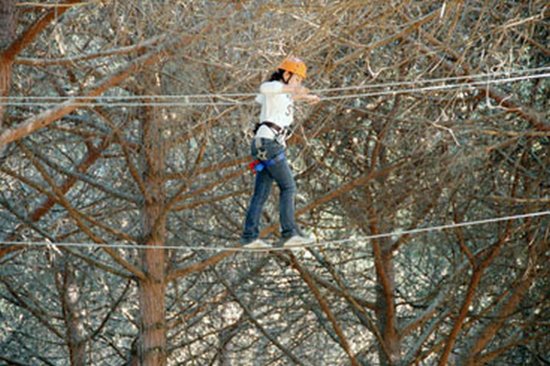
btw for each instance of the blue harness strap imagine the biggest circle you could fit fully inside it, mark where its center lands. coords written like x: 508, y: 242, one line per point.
x: 259, y: 165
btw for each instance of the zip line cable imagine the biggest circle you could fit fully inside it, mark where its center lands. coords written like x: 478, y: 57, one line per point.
x: 101, y: 100
x: 305, y: 246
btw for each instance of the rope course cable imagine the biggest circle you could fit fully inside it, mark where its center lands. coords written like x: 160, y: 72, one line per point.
x: 439, y: 87
x: 437, y: 80
x: 394, y: 233
x: 363, y: 86
x: 186, y: 100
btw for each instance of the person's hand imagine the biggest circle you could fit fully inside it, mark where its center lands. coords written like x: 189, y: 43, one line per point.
x: 312, y: 99
x: 301, y: 90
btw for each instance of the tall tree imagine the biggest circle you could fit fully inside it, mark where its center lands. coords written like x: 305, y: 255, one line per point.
x: 8, y: 21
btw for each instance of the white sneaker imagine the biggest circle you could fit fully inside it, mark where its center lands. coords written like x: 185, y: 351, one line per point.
x: 257, y: 244
x: 298, y: 241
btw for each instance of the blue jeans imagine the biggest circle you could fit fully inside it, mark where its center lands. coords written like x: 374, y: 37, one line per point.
x: 279, y: 172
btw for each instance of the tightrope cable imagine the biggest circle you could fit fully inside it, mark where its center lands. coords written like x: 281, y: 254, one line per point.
x: 395, y: 233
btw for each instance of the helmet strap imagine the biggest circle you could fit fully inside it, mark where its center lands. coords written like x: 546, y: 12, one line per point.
x: 287, y: 80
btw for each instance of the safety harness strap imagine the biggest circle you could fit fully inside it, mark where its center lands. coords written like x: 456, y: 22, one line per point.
x: 282, y: 133
x: 258, y: 165
x: 262, y: 161
x: 262, y: 153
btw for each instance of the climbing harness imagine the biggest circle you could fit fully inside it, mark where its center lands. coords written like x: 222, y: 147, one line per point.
x: 281, y: 133
x: 263, y: 160
x: 258, y: 165
x: 261, y: 152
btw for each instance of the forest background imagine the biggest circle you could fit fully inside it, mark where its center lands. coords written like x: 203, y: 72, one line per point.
x: 123, y: 181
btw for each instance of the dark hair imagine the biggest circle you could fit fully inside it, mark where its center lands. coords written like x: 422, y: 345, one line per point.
x: 278, y: 76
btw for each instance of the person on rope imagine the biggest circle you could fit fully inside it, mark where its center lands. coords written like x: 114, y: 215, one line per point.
x: 277, y: 97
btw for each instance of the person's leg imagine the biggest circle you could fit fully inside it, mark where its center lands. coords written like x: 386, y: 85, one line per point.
x: 262, y: 188
x: 292, y: 236
x: 282, y: 174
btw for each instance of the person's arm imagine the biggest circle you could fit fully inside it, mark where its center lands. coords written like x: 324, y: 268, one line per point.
x: 272, y: 87
x: 310, y: 98
x: 299, y: 93
x: 275, y: 87
x: 295, y: 90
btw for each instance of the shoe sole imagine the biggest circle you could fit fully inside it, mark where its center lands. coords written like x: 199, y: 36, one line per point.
x: 260, y: 245
x: 298, y: 245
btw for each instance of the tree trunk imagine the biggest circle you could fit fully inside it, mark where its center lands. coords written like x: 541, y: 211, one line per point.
x: 8, y: 19
x: 76, y: 338
x: 152, y: 346
x: 390, y: 352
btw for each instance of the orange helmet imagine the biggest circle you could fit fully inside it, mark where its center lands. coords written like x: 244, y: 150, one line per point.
x: 295, y: 66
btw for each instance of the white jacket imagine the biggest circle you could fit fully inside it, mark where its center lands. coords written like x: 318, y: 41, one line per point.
x: 277, y: 107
